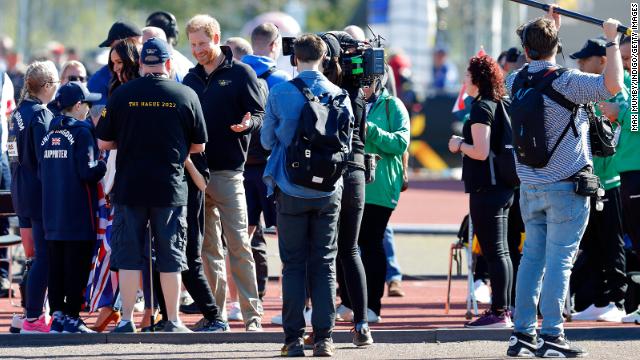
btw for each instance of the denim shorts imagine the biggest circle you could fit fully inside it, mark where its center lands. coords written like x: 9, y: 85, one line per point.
x: 130, y: 231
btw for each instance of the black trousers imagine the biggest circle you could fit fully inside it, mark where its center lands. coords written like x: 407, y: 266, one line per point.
x: 69, y: 267
x: 630, y: 193
x: 603, y: 245
x: 374, y: 222
x: 259, y: 251
x: 489, y: 213
x: 350, y: 271
x: 193, y: 278
x: 515, y: 227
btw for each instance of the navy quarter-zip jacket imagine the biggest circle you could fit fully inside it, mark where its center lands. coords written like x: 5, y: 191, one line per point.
x: 28, y: 125
x: 69, y: 194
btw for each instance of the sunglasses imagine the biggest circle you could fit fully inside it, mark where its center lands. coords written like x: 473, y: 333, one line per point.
x: 77, y: 78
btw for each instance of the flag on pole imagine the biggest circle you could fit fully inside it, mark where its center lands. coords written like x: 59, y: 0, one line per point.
x: 103, y: 284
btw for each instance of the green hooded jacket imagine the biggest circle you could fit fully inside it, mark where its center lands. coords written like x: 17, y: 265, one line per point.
x: 389, y: 138
x: 627, y: 157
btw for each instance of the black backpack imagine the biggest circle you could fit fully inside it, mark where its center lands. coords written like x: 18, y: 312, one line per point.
x: 504, y: 154
x: 319, y: 150
x: 527, y: 115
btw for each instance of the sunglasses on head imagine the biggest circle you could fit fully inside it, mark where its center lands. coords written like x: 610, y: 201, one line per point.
x: 77, y: 78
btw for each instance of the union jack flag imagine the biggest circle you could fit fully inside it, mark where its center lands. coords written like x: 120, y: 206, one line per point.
x: 102, y: 286
x: 55, y: 141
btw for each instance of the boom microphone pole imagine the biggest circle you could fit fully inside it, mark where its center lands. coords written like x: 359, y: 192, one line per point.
x: 574, y: 15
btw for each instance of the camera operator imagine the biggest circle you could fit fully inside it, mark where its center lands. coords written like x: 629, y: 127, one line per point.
x: 555, y: 216
x: 350, y: 271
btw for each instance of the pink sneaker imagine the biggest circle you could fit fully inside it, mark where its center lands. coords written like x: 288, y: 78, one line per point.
x: 36, y: 327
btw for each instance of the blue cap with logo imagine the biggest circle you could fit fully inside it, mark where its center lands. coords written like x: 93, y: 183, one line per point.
x: 155, y: 51
x: 73, y: 92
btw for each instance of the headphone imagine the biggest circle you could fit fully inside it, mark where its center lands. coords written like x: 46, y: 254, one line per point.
x: 171, y: 30
x: 326, y: 58
x: 532, y: 52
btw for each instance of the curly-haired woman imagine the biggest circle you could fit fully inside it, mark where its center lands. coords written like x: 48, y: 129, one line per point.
x: 489, y: 199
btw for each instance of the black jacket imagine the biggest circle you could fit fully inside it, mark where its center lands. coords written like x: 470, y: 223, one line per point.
x: 226, y: 95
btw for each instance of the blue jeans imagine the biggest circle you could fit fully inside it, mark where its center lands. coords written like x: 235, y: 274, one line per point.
x: 307, y: 240
x: 393, y: 268
x: 555, y: 218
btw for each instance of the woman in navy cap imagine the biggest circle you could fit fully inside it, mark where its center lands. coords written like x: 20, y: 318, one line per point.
x: 28, y: 125
x: 70, y: 202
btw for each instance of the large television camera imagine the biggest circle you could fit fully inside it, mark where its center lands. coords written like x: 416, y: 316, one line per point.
x: 362, y: 61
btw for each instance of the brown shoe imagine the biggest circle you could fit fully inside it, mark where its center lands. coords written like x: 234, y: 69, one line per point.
x: 395, y: 289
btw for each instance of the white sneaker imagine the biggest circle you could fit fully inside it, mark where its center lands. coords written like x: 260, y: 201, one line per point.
x: 277, y: 320
x: 235, y: 314
x: 482, y: 292
x: 592, y: 313
x: 185, y: 298
x: 343, y: 313
x: 613, y: 314
x: 307, y: 316
x: 372, y: 317
x: 633, y: 317
x: 16, y: 323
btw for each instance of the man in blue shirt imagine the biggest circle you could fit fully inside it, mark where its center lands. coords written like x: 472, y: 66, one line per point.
x: 307, y: 218
x: 555, y: 216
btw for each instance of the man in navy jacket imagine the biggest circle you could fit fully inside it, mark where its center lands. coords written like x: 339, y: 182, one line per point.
x: 233, y: 107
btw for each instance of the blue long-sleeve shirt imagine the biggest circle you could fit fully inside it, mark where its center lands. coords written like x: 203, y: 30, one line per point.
x: 279, y: 126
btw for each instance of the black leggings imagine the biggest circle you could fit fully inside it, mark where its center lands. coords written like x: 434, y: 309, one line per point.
x: 516, y: 228
x: 374, y: 222
x: 69, y: 267
x: 489, y: 213
x: 193, y: 278
x: 603, y: 245
x: 630, y: 193
x: 350, y: 271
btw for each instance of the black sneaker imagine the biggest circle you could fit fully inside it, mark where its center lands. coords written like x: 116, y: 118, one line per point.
x: 157, y: 327
x: 522, y: 345
x: 190, y: 309
x: 293, y: 349
x: 213, y: 326
x: 76, y: 326
x: 324, y: 348
x: 557, y: 347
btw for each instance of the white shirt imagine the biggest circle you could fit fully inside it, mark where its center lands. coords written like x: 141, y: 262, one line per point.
x: 7, y: 105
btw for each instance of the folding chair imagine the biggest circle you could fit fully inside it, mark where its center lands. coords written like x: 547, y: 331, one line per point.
x: 8, y: 241
x: 455, y: 254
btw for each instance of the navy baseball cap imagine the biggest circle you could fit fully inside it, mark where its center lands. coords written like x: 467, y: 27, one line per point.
x: 154, y: 51
x: 593, y: 47
x: 120, y: 30
x: 72, y: 92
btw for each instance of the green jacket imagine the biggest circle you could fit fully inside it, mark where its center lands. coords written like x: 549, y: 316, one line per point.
x: 627, y: 157
x: 389, y: 138
x: 605, y: 167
